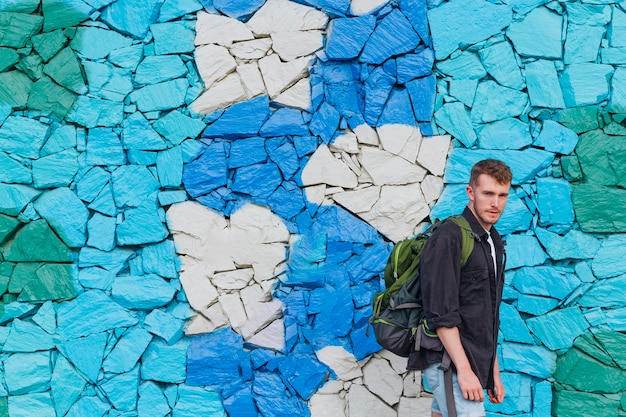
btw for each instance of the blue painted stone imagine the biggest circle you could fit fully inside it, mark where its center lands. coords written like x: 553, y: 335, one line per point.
x: 345, y: 97
x: 286, y: 157
x: 536, y: 305
x: 303, y: 371
x: 89, y: 406
x: 138, y: 134
x: 542, y: 23
x: 398, y: 107
x: 141, y: 226
x: 132, y: 185
x: 245, y: 152
x: 610, y: 260
x: 455, y: 119
x: 465, y: 22
x: 23, y: 136
x: 305, y: 145
x: 101, y: 232
x: 417, y: 65
x: 394, y: 35
x: 531, y: 360
x: 543, y: 85
x: 27, y: 373
x: 584, y: 84
x: 131, y: 18
x: 165, y: 363
x: 509, y: 133
x: 347, y: 36
x: 241, y: 403
x: 91, y: 312
x: 162, y: 96
x: 194, y: 401
x: 330, y: 7
x: 258, y: 180
x: 558, y: 329
x: 500, y: 62
x: 240, y: 120
x: 66, y: 385
x: 70, y: 224
x: 524, y: 164
x: 554, y: 202
x: 173, y: 38
x: 494, y: 102
x: 340, y: 225
x: 104, y: 148
x: 286, y: 203
x: 207, y: 172
x: 583, y: 42
x: 215, y: 358
x: 86, y: 354
x: 144, y: 292
x: 523, y: 250
x: 545, y: 281
x: 555, y: 137
x: 93, y: 112
x: 122, y: 390
x: 176, y: 126
x: 29, y: 405
x: 285, y: 121
x: 164, y: 325
x: 127, y: 351
x: 378, y: 86
x: 415, y: 11
x: 177, y: 8
x: 152, y: 401
x: 25, y: 336
x: 238, y: 8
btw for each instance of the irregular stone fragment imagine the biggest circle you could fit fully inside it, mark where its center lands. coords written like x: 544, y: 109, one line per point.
x: 543, y: 85
x: 27, y: 373
x: 494, y: 102
x: 70, y: 224
x: 554, y: 202
x: 394, y: 35
x: 14, y: 133
x: 558, y: 329
x: 93, y: 112
x: 286, y: 16
x: 36, y: 242
x: 165, y: 363
x: 323, y: 167
x: 362, y: 402
x: 528, y: 359
x: 95, y: 43
x: 585, y: 84
x: 568, y: 402
x: 541, y: 23
x: 15, y: 87
x: 132, y: 18
x: 172, y: 38
x: 30, y: 404
x: 573, y: 245
x: 19, y: 27
x: 455, y: 119
x: 224, y: 93
x: 500, y: 62
x: 347, y: 36
x: 57, y: 170
x: 146, y: 292
x: 545, y: 281
x: 25, y: 336
x: 45, y: 95
x: 585, y: 373
x: 610, y: 259
x: 86, y: 354
x: 510, y: 133
x: 66, y: 385
x: 278, y: 76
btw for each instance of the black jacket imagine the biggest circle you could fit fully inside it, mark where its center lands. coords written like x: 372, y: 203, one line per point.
x: 468, y: 298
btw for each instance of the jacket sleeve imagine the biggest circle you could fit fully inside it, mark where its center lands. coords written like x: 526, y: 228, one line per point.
x: 440, y: 276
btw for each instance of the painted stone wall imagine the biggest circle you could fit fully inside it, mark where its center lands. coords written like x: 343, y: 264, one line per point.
x: 197, y: 198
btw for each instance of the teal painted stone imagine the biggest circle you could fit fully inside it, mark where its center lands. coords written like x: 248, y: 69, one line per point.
x: 55, y: 170
x: 573, y: 245
x: 86, y: 354
x: 89, y: 406
x: 23, y: 136
x: 161, y: 259
x: 547, y: 281
x: 132, y: 18
x: 512, y: 326
x: 610, y: 260
x: 96, y: 43
x: 527, y: 359
x: 93, y: 112
x: 7, y: 226
x: 15, y: 87
x: 111, y: 260
x: 596, y: 152
x: 30, y: 405
x: 97, y: 278
x: 12, y: 171
x: 101, y: 232
x: 454, y: 118
x: 8, y: 58
x: 19, y: 6
x: 91, y: 184
x: 585, y: 84
x: 104, y: 148
x: 543, y: 24
x: 70, y: 223
x: 554, y: 203
x: 127, y: 57
x: 145, y: 292
x: 132, y: 185
x: 523, y: 250
x: 617, y: 102
x: 465, y: 22
x: 605, y: 293
x: 121, y: 390
x: 510, y: 133
x: 462, y: 65
x: 156, y: 69
x: 193, y: 401
x: 62, y: 138
x: 170, y: 167
x: 22, y: 273
x: 31, y: 65
x: 47, y: 96
x: 584, y: 373
x: 162, y: 96
x: 615, y: 319
x: 60, y: 14
x: 127, y: 351
x: 138, y: 134
x: 66, y: 385
x: 92, y: 312
x: 543, y: 85
x: 65, y: 69
x: 558, y: 329
x: 152, y: 401
x: 52, y: 282
x: 28, y: 337
x: 463, y: 90
x: 173, y: 38
x: 165, y: 363
x: 494, y: 102
x: 14, y: 310
x: 536, y: 305
x: 18, y: 28
x: 500, y: 62
x: 46, y: 317
x: 37, y: 242
x: 49, y: 43
x: 176, y: 126
x: 583, y: 43
x: 28, y: 373
x: 596, y: 210
x: 164, y: 325
x: 612, y: 343
x: 555, y: 137
x: 570, y: 403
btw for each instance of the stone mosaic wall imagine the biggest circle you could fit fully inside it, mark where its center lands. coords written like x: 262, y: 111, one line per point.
x: 197, y: 198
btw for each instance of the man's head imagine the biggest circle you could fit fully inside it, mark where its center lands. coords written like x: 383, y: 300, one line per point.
x: 488, y: 190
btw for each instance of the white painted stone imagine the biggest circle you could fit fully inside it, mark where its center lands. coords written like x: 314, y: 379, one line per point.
x: 214, y: 62
x: 259, y: 310
x: 366, y: 135
x: 278, y: 75
x: 260, y: 224
x: 216, y: 316
x: 198, y: 324
x: 221, y: 30
x: 324, y: 168
x: 431, y: 188
x: 333, y: 386
x: 401, y: 140
x: 249, y: 50
x: 358, y: 201
x: 412, y: 384
x: 315, y: 193
x: 231, y: 304
x: 434, y: 153
x: 398, y: 363
x: 271, y: 337
x: 347, y: 142
x: 286, y: 16
x: 292, y: 45
x: 221, y: 95
x: 414, y: 407
x: 351, y: 163
x: 327, y: 405
x: 298, y: 96
x: 233, y: 280
x: 388, y: 169
x: 342, y: 362
x: 361, y: 403
x: 362, y: 7
x: 382, y: 380
x: 199, y: 290
x: 251, y: 79
x: 194, y: 219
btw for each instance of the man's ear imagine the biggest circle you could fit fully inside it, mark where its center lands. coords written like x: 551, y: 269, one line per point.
x: 470, y: 192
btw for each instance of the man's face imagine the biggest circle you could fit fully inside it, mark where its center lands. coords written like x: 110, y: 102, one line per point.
x: 487, y: 199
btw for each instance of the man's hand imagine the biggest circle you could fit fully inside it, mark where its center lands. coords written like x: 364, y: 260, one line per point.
x: 470, y: 385
x: 496, y: 395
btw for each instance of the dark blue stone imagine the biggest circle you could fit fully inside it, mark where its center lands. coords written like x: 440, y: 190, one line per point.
x: 240, y: 120
x: 238, y: 9
x: 258, y: 180
x: 398, y: 109
x: 415, y: 11
x: 346, y: 37
x: 331, y: 7
x: 287, y: 203
x: 241, y: 403
x: 325, y: 122
x: 206, y: 173
x: 416, y: 65
x: 378, y: 86
x: 338, y: 252
x: 422, y: 92
x: 394, y: 35
x: 338, y: 224
x: 345, y: 97
x: 283, y: 122
x: 303, y: 372
x: 245, y: 152
x: 305, y: 145
x: 363, y: 341
x: 286, y: 157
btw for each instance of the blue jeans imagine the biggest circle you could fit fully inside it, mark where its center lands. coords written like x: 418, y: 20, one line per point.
x: 464, y: 408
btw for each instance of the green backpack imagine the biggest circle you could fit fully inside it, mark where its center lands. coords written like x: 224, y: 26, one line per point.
x: 398, y: 309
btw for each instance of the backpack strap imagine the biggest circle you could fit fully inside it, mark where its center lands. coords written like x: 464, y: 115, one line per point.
x: 467, y: 237
x: 446, y: 367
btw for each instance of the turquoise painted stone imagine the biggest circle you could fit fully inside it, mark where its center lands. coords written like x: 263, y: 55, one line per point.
x: 18, y: 28
x: 585, y: 84
x: 49, y: 43
x: 7, y: 226
x: 86, y: 353
x: 500, y: 62
x: 45, y: 95
x: 56, y: 170
x: 540, y: 23
x: 583, y: 43
x: 543, y: 85
x: 70, y: 223
x: 60, y: 14
x: 66, y: 385
x: 15, y: 87
x: 65, y: 69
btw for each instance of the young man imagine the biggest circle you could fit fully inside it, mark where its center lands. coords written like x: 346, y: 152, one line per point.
x: 461, y: 303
